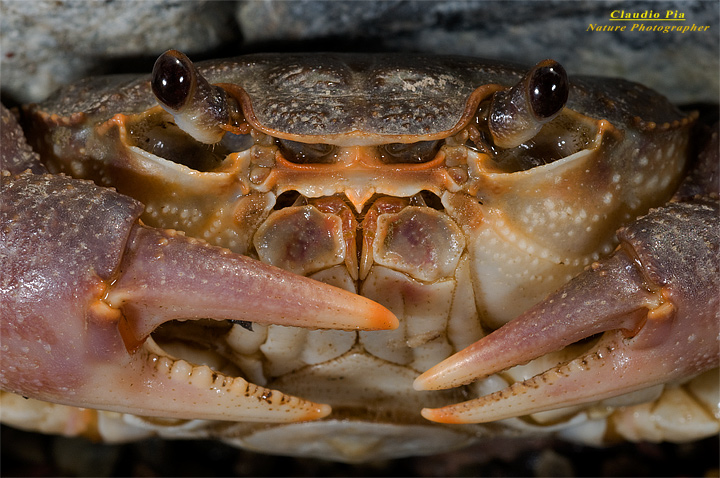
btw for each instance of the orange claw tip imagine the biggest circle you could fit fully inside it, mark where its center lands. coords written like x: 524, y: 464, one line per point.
x: 480, y: 410
x: 428, y: 380
x: 334, y: 308
x: 320, y: 411
x: 377, y: 317
x: 442, y: 415
x: 451, y: 372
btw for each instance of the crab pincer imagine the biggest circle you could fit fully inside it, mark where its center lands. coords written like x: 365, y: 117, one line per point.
x: 655, y: 301
x: 79, y: 304
x: 83, y: 284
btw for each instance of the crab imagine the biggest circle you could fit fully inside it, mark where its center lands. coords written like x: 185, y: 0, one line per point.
x: 430, y: 251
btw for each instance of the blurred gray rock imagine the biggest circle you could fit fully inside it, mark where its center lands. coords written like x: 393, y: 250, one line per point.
x: 48, y: 43
x: 683, y: 66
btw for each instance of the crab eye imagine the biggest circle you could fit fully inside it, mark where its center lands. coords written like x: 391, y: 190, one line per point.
x: 409, y: 153
x: 306, y: 153
x: 518, y: 114
x: 199, y: 108
x: 172, y: 80
x: 548, y: 90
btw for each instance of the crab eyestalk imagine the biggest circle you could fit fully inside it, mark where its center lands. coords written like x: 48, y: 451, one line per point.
x: 199, y: 108
x: 517, y: 114
x: 655, y: 300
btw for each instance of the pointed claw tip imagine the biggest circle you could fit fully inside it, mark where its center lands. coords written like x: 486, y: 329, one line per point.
x: 440, y: 415
x: 373, y: 316
x: 343, y: 310
x: 440, y: 377
x: 320, y: 411
x: 424, y: 382
x: 383, y: 319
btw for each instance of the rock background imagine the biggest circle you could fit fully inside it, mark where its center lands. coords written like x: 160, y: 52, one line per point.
x: 45, y: 44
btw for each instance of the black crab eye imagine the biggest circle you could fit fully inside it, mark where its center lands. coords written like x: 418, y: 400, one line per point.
x: 409, y: 153
x: 518, y: 113
x: 172, y: 79
x: 306, y: 153
x: 548, y: 90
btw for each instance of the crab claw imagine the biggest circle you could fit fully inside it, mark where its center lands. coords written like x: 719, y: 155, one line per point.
x: 166, y: 276
x: 83, y: 284
x: 656, y: 300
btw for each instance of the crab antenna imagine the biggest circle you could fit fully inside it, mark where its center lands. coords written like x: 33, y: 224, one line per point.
x: 517, y: 114
x: 199, y: 108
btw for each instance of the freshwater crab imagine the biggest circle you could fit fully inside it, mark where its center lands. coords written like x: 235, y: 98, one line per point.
x: 457, y: 193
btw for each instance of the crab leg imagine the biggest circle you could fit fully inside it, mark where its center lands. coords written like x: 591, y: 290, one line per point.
x: 657, y: 304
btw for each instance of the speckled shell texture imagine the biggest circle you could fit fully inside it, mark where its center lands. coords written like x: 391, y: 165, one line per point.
x: 334, y: 94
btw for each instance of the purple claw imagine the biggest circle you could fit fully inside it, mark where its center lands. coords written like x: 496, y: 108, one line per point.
x: 656, y: 299
x: 82, y: 286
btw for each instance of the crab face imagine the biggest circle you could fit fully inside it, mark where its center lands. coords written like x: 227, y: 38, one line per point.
x: 390, y: 162
x: 457, y: 193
